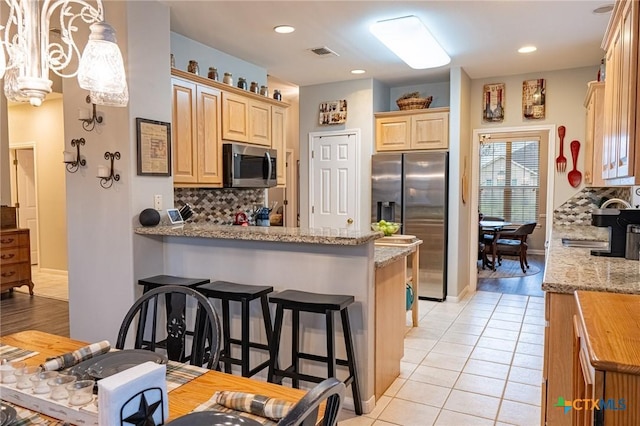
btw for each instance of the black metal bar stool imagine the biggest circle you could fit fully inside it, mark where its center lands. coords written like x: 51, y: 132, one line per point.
x: 327, y: 304
x: 159, y: 281
x: 243, y: 293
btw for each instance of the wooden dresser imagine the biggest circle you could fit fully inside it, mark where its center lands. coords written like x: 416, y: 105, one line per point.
x: 15, y: 259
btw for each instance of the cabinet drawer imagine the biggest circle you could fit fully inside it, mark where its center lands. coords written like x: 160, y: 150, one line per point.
x: 14, y: 255
x: 15, y: 272
x: 14, y: 239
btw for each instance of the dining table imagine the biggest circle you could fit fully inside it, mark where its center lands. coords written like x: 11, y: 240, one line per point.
x: 491, y: 227
x: 183, y: 399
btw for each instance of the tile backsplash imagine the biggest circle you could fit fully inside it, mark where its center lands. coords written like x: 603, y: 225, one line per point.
x: 217, y: 206
x: 577, y: 210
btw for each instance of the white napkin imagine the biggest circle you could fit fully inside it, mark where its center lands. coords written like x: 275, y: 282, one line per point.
x: 120, y: 396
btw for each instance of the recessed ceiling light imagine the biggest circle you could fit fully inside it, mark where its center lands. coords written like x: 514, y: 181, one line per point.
x: 603, y: 9
x: 358, y: 71
x: 284, y: 29
x: 527, y: 49
x: 411, y: 41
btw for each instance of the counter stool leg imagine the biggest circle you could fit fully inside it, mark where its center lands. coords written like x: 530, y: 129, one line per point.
x: 331, y: 345
x: 266, y: 317
x: 245, y: 338
x: 351, y: 357
x: 275, y: 346
x: 295, y: 343
x: 226, y: 333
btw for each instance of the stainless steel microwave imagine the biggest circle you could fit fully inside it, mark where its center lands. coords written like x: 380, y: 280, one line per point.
x: 246, y: 166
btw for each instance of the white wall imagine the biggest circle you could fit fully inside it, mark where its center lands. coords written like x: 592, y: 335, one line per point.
x: 105, y: 258
x: 359, y: 96
x: 565, y: 94
x: 459, y: 164
x: 185, y: 49
x: 5, y: 181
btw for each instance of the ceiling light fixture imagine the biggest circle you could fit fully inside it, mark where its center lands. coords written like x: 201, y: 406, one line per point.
x: 358, y: 71
x: 527, y: 49
x: 26, y: 55
x: 284, y: 29
x: 603, y: 9
x: 408, y: 38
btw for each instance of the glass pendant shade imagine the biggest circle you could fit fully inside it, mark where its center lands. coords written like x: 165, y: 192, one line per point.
x: 110, y: 99
x: 101, y: 67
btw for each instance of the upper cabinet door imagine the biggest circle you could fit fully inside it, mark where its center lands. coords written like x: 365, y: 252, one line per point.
x: 235, y: 117
x: 430, y: 131
x: 393, y: 133
x: 259, y: 123
x: 184, y: 133
x: 209, y: 135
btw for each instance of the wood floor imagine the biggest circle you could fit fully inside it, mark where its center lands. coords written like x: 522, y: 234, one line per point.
x: 525, y: 286
x: 19, y: 311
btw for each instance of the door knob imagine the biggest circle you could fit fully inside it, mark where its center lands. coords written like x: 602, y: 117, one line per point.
x: 349, y: 221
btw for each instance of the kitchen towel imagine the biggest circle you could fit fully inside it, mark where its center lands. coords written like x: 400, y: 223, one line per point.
x: 137, y: 395
x: 260, y: 405
x: 72, y: 358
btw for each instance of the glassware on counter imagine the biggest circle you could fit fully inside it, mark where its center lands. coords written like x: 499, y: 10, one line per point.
x: 242, y: 83
x: 228, y: 79
x: 213, y: 73
x: 277, y: 95
x: 264, y: 91
x: 254, y: 87
x: 193, y: 67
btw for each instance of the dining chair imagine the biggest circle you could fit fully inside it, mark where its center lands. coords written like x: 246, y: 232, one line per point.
x: 305, y: 412
x: 189, y: 330
x: 514, y: 243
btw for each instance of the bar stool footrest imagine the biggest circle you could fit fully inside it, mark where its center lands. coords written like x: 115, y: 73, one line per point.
x: 320, y: 358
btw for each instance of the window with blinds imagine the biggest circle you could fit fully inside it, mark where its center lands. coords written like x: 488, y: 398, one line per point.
x: 510, y: 179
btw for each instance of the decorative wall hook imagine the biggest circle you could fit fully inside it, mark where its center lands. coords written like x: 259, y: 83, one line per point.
x: 73, y: 163
x: 89, y: 124
x: 107, y: 175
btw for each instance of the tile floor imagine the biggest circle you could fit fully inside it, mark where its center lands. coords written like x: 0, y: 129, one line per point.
x: 475, y: 362
x: 46, y: 284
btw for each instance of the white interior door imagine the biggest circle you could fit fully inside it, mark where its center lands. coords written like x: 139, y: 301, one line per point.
x: 27, y: 198
x: 333, y: 186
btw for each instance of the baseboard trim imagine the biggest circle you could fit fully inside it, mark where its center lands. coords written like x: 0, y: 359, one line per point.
x: 460, y: 295
x: 367, y: 406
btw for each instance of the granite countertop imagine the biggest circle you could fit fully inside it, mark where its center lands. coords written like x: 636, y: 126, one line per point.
x: 264, y: 233
x: 386, y: 254
x: 571, y: 268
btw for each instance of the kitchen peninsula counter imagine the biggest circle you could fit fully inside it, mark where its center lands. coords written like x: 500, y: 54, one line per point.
x: 319, y: 261
x: 264, y: 233
x: 569, y: 269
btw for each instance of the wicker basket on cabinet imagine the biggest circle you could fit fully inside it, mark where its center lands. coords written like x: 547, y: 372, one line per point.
x: 414, y: 103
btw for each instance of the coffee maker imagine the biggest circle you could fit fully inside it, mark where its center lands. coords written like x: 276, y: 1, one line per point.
x: 616, y: 220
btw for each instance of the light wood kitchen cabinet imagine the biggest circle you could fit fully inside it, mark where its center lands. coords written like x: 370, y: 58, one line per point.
x: 246, y: 120
x: 594, y: 134
x: 197, y: 158
x: 621, y: 94
x: 606, y: 359
x: 279, y: 142
x: 412, y: 130
x: 15, y: 259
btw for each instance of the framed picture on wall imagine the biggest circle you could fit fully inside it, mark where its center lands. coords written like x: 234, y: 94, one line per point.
x: 333, y: 112
x: 493, y: 103
x: 533, y: 99
x: 154, y: 147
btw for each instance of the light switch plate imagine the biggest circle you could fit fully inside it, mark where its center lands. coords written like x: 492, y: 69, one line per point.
x: 157, y: 202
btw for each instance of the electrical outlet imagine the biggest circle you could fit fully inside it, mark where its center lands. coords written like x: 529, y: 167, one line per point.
x: 157, y: 202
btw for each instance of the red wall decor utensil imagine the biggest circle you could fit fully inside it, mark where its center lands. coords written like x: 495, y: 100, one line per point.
x: 561, y: 161
x: 574, y: 176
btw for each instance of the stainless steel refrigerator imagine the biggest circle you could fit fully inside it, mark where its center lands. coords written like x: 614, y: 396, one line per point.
x: 411, y: 189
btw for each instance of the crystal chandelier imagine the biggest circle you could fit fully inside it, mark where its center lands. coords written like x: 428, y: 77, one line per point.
x: 27, y: 54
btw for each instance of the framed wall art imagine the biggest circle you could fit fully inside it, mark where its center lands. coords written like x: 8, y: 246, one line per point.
x: 333, y: 112
x: 154, y: 147
x: 533, y: 99
x: 493, y: 103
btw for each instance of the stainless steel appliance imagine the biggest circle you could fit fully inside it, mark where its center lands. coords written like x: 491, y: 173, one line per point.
x: 245, y: 166
x: 616, y: 220
x: 411, y: 188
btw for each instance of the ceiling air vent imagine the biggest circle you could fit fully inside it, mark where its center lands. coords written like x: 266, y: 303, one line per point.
x: 323, y: 51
